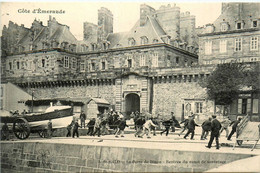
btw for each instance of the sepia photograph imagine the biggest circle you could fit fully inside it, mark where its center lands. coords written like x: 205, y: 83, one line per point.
x: 129, y: 86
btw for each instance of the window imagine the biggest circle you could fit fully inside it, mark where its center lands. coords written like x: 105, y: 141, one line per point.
x: 82, y: 66
x: 177, y: 60
x: 10, y: 65
x: 93, y: 66
x: 244, y: 106
x: 131, y: 42
x: 103, y: 65
x: 155, y: 41
x: 155, y: 60
x: 239, y: 25
x: 224, y: 27
x: 18, y: 65
x: 24, y: 64
x: 255, y: 106
x: 238, y: 44
x: 30, y: 65
x: 198, y: 107
x: 142, y: 60
x: 43, y: 62
x: 208, y: 47
x: 254, y: 24
x: 144, y: 40
x: 66, y: 62
x: 254, y: 43
x: 52, y: 62
x: 129, y: 63
x: 74, y: 63
x: 223, y: 46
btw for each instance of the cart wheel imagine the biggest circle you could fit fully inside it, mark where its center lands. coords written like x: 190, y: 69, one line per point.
x: 43, y: 133
x: 21, y: 128
x: 239, y: 142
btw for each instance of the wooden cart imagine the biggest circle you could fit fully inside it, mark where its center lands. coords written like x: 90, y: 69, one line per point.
x: 247, y: 131
x: 23, y: 125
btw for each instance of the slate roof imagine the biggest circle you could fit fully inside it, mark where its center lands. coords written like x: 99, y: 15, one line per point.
x: 152, y: 30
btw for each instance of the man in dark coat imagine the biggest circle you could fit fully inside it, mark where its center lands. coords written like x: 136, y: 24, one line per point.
x: 139, y: 125
x: 69, y: 127
x: 90, y: 126
x: 185, y: 122
x: 167, y: 124
x: 191, y: 127
x: 206, y: 127
x: 121, y: 127
x: 215, y: 128
x: 82, y: 119
x: 5, y: 132
x: 234, y: 128
x: 75, y: 129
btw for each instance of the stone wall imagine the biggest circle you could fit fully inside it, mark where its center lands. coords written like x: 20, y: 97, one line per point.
x: 168, y: 97
x: 103, y: 91
x: 54, y: 157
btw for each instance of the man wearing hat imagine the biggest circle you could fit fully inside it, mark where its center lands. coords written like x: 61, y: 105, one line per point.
x: 215, y: 128
x: 234, y: 128
x: 191, y: 127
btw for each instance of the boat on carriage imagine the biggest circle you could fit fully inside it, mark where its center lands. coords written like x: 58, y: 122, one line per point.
x: 23, y: 125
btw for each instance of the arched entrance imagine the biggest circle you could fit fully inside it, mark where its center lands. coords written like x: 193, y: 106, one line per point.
x: 132, y: 103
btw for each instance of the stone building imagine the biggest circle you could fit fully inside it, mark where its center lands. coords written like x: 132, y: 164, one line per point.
x: 151, y: 68
x: 234, y: 37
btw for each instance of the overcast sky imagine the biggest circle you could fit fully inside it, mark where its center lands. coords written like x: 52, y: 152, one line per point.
x: 125, y: 14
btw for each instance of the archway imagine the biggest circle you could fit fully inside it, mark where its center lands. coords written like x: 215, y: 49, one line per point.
x: 132, y: 103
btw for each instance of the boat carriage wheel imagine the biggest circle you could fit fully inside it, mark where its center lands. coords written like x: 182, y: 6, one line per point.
x: 43, y: 133
x: 21, y: 128
x: 239, y: 142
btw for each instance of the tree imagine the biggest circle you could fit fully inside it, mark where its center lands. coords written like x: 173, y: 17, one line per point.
x: 224, y: 83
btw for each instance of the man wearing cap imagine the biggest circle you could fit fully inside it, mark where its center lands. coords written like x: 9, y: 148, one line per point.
x: 191, y: 127
x: 215, y: 128
x: 234, y: 128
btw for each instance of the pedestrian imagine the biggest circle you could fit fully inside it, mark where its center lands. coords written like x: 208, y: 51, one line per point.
x: 97, y: 126
x: 5, y: 132
x: 206, y: 127
x: 147, y: 128
x: 49, y: 129
x: 139, y: 125
x: 155, y: 121
x: 234, y: 128
x: 121, y: 127
x: 175, y: 123
x: 76, y: 129
x: 191, y: 127
x: 167, y: 124
x: 90, y: 126
x: 225, y: 123
x: 82, y: 119
x: 215, y: 128
x: 185, y: 123
x: 69, y: 127
x: 104, y: 129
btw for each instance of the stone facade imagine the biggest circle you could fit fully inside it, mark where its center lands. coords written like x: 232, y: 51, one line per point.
x: 233, y: 37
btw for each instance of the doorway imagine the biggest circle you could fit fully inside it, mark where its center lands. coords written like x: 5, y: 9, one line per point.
x: 132, y: 103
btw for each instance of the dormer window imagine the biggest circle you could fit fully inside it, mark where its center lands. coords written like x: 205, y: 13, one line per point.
x: 210, y: 28
x: 240, y: 25
x: 144, y: 40
x: 131, y: 41
x: 254, y: 24
x: 224, y: 27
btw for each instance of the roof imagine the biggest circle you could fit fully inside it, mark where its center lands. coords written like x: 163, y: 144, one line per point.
x: 99, y: 101
x: 152, y: 30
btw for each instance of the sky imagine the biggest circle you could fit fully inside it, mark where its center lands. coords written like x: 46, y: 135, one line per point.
x: 126, y: 13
